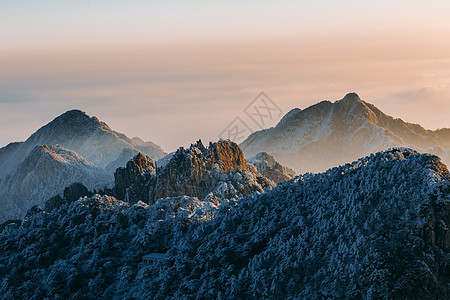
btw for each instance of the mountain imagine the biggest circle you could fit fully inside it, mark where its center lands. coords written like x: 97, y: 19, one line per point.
x: 45, y: 172
x: 132, y: 183
x: 80, y: 247
x: 270, y: 168
x: 218, y: 171
x: 74, y: 147
x: 164, y: 160
x: 329, y: 134
x: 75, y: 130
x: 376, y: 228
x: 149, y: 148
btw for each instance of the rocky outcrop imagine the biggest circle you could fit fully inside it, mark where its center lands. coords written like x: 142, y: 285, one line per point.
x: 437, y: 231
x: 227, y: 155
x: 132, y: 183
x: 75, y: 191
x: 268, y: 167
x: 216, y: 172
x: 72, y: 193
x: 436, y: 234
x: 219, y: 169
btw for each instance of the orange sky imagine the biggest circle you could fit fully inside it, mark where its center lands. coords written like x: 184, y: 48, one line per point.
x: 192, y: 74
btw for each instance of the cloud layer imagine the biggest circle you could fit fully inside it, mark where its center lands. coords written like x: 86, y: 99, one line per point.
x: 175, y: 94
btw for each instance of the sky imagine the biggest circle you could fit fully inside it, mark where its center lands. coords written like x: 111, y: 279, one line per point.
x: 175, y: 71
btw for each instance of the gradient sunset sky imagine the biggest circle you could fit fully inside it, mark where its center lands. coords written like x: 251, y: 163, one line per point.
x: 176, y: 71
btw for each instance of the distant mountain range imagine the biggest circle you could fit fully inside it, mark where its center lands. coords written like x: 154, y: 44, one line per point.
x: 329, y: 134
x: 77, y: 148
x: 74, y: 147
x: 83, y: 204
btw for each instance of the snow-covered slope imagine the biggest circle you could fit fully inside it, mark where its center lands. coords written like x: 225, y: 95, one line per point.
x: 376, y: 228
x: 87, y: 151
x: 149, y: 148
x: 68, y: 250
x: 268, y: 167
x: 328, y: 134
x: 87, y: 136
x: 162, y: 162
x: 44, y: 173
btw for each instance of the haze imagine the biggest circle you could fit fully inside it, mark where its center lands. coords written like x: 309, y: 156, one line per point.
x: 174, y: 72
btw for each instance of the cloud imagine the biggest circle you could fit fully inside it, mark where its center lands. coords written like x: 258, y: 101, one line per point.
x: 174, y: 95
x: 428, y: 106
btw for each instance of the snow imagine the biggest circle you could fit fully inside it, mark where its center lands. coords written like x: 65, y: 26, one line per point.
x: 87, y: 136
x: 44, y: 174
x: 354, y: 231
x: 86, y: 150
x: 328, y: 134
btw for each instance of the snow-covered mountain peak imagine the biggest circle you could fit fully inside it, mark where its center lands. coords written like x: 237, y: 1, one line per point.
x: 331, y: 133
x: 352, y: 107
x: 92, y: 139
x: 69, y: 126
x: 79, y: 148
x: 351, y: 97
x: 75, y: 118
x: 292, y: 114
x: 45, y: 172
x: 74, y: 114
x: 137, y: 141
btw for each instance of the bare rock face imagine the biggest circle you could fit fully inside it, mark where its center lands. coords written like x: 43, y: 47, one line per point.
x: 198, y: 171
x: 132, y: 182
x: 216, y: 172
x: 436, y: 233
x: 268, y: 167
x: 227, y: 155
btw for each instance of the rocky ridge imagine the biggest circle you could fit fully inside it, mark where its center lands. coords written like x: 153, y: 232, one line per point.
x: 218, y: 171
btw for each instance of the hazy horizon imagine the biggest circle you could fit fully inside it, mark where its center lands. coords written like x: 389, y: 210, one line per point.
x: 174, y: 72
